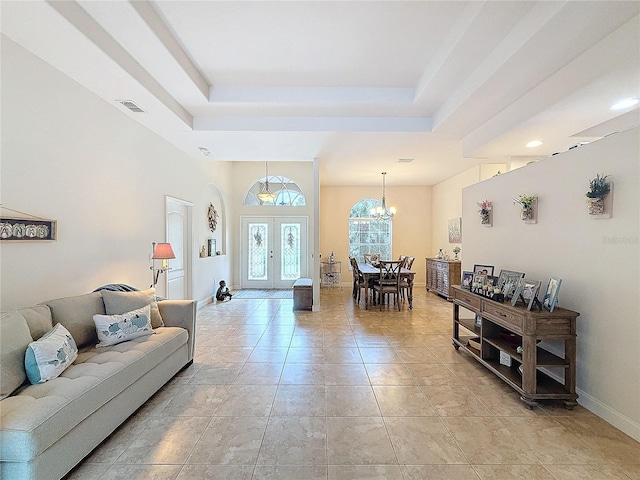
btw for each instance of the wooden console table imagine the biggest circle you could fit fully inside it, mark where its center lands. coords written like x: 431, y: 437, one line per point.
x: 499, y: 320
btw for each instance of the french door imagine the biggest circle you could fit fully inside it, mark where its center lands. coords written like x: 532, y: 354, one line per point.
x: 273, y: 251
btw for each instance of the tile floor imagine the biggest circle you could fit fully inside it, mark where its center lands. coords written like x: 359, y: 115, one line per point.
x: 349, y: 394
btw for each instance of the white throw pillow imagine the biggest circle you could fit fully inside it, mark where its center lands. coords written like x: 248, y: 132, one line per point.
x: 50, y: 355
x: 114, y: 329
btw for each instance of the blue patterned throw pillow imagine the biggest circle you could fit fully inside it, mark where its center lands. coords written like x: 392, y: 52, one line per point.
x: 114, y: 329
x: 50, y: 355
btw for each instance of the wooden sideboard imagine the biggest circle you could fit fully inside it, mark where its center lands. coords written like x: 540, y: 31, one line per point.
x: 542, y: 371
x: 442, y: 275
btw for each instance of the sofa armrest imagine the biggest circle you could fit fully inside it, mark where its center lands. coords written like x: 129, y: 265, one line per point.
x: 180, y: 313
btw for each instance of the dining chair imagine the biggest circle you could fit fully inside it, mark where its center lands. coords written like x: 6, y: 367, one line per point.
x: 371, y: 258
x: 389, y: 281
x: 358, y: 279
x: 404, y: 281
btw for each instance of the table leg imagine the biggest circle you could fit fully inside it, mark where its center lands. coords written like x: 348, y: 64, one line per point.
x: 410, y: 293
x: 366, y: 291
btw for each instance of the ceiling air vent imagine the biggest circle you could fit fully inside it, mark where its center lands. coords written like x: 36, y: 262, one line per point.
x: 131, y: 106
x: 405, y: 160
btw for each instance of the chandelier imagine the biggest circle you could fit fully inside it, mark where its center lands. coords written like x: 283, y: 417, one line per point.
x: 382, y: 212
x: 265, y: 194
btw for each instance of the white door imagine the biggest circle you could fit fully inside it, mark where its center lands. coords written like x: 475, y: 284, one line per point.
x: 179, y: 236
x: 274, y: 251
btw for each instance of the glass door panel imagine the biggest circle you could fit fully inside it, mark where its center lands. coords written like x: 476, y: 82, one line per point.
x: 274, y: 251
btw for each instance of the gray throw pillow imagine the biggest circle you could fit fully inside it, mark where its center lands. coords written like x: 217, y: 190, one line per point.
x: 117, y: 303
x: 14, y: 340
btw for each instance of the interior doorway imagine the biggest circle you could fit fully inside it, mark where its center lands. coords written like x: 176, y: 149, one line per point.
x: 179, y: 235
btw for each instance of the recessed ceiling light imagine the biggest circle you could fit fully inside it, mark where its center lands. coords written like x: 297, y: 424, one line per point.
x: 534, y: 143
x: 625, y: 103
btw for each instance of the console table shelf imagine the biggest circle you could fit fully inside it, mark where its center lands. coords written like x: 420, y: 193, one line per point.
x: 532, y: 380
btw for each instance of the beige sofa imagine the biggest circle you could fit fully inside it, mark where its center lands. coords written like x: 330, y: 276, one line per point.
x: 48, y: 428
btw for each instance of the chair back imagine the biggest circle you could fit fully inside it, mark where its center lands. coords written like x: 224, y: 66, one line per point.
x: 390, y: 272
x: 408, y: 262
x: 371, y: 258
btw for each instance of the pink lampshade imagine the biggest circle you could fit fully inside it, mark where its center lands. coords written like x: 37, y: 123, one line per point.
x: 163, y: 251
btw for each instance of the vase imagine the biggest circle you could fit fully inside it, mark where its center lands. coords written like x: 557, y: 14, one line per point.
x: 595, y: 205
x: 485, y: 218
x: 526, y: 213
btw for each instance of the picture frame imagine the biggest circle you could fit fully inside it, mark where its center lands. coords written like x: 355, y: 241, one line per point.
x: 527, y: 291
x: 24, y: 229
x: 455, y: 230
x: 483, y: 269
x: 550, y: 298
x: 211, y: 244
x: 508, y: 281
x: 467, y: 280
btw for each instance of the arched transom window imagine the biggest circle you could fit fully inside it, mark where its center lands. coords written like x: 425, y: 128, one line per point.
x: 287, y: 192
x: 367, y: 235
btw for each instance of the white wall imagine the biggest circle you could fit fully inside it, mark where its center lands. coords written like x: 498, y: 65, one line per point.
x: 598, y: 260
x: 68, y: 155
x: 447, y: 204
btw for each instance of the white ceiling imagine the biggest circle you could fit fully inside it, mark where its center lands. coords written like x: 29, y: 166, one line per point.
x: 358, y: 85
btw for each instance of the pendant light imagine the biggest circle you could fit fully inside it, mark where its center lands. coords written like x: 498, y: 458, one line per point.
x: 265, y: 194
x: 382, y: 212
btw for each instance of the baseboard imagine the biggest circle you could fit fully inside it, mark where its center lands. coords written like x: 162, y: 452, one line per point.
x: 205, y: 302
x: 604, y: 411
x: 609, y: 415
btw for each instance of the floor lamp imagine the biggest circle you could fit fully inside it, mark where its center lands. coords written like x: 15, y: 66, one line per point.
x: 164, y: 252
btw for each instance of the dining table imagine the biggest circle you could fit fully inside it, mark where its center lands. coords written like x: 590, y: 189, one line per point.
x: 371, y: 272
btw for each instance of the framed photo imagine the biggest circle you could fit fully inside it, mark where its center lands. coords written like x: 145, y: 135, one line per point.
x: 455, y: 230
x: 527, y: 291
x: 508, y: 282
x: 550, y: 297
x: 27, y: 230
x: 483, y: 269
x: 478, y: 282
x: 211, y: 251
x: 467, y: 280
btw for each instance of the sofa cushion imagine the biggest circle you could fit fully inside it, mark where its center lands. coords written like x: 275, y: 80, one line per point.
x: 38, y: 318
x: 41, y: 414
x: 14, y: 339
x: 50, y: 355
x: 117, y: 303
x: 114, y: 329
x: 76, y: 314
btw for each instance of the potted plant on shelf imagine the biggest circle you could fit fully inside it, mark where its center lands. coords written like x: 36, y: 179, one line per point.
x: 598, y: 190
x: 485, y: 212
x: 526, y: 203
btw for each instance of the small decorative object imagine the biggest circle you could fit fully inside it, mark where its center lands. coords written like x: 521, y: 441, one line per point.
x: 527, y: 207
x: 223, y: 292
x: 212, y: 215
x: 483, y: 269
x: 550, y: 297
x: 485, y: 213
x: 203, y: 252
x: 455, y: 230
x: 598, y: 191
x: 456, y: 250
x: 440, y: 255
x: 332, y: 257
x: 467, y: 280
